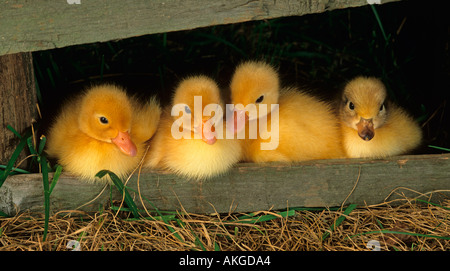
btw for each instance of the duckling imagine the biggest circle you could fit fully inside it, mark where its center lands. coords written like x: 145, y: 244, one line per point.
x: 102, y: 129
x: 307, y: 127
x: 371, y: 125
x: 193, y: 145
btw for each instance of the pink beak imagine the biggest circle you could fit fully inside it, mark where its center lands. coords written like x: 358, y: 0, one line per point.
x: 124, y: 143
x: 208, y: 132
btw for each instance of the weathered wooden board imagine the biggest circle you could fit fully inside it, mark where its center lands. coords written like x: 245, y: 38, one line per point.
x: 250, y: 187
x: 46, y: 24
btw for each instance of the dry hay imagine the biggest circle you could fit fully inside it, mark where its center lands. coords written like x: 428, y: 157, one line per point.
x: 420, y: 227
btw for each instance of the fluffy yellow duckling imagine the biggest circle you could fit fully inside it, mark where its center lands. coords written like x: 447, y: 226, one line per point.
x: 100, y: 129
x: 371, y: 125
x: 187, y: 141
x: 307, y: 128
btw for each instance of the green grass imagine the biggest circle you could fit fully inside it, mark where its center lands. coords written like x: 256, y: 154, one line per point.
x: 339, y: 220
x: 37, y: 153
x: 254, y: 218
x: 47, y: 187
x: 8, y: 169
x: 439, y: 148
x: 122, y: 189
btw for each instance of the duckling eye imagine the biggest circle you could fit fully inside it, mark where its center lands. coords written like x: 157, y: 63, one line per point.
x: 382, y: 107
x: 351, y: 106
x: 103, y: 120
x: 260, y: 99
x: 187, y: 109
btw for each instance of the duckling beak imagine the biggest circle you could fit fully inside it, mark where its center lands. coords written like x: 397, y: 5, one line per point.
x: 208, y: 132
x: 365, y: 129
x: 124, y: 143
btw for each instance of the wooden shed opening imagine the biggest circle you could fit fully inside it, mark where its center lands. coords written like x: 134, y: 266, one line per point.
x: 147, y: 48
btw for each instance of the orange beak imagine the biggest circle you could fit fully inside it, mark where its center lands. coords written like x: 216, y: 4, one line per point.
x: 365, y: 129
x: 124, y: 143
x: 208, y: 132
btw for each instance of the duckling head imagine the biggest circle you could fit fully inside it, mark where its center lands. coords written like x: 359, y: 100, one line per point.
x: 198, y: 99
x: 253, y: 83
x: 105, y: 115
x: 363, y: 106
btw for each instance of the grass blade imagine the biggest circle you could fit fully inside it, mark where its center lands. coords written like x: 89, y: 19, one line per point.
x: 31, y: 146
x: 375, y: 12
x: 434, y: 204
x: 3, y: 214
x: 216, y: 247
x: 251, y: 219
x: 12, y: 160
x: 42, y: 144
x: 122, y: 189
x: 43, y: 162
x: 14, y: 131
x: 18, y: 170
x: 339, y: 220
x: 55, y: 177
x: 167, y: 213
x: 439, y: 148
x: 314, y: 209
x: 164, y: 218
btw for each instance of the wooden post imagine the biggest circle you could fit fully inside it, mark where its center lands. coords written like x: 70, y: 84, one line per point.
x: 17, y: 99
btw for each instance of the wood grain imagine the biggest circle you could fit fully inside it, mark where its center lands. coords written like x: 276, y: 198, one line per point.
x: 47, y: 24
x: 17, y: 100
x: 250, y: 187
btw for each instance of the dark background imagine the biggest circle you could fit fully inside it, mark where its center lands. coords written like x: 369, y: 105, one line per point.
x: 404, y: 43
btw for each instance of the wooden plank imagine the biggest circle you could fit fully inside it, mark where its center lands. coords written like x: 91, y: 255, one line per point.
x: 250, y: 187
x: 46, y: 24
x: 17, y: 101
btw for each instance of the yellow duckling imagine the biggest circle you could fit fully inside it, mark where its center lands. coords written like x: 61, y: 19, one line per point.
x: 190, y: 139
x: 100, y: 129
x: 371, y: 125
x: 303, y: 126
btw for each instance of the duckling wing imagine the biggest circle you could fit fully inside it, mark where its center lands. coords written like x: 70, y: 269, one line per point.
x: 145, y: 119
